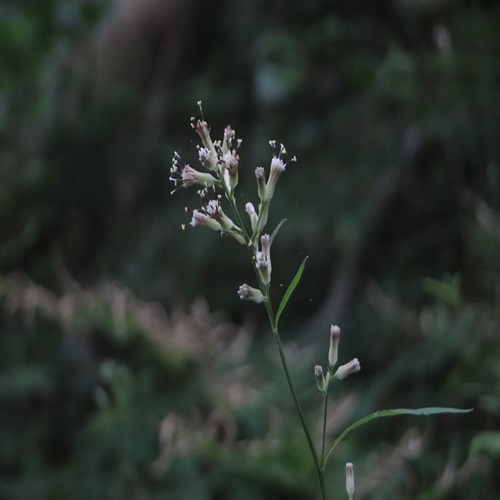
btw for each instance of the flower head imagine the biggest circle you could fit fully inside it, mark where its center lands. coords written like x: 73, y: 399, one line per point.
x: 230, y: 161
x: 204, y: 156
x: 201, y: 128
x: 229, y: 135
x: 212, y: 216
x: 200, y: 218
x: 183, y: 175
x: 277, y: 166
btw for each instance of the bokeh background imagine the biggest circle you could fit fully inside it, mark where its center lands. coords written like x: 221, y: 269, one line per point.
x: 128, y: 366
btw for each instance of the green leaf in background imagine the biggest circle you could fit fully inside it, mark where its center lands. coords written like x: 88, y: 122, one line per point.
x: 487, y: 443
x: 447, y: 289
x: 433, y: 410
x: 290, y: 290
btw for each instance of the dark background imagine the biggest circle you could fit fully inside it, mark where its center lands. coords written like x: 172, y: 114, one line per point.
x: 128, y: 366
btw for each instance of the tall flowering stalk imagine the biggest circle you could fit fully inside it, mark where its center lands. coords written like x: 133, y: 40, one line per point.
x: 217, y: 182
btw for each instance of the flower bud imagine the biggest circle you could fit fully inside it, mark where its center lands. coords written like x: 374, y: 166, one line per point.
x: 320, y: 378
x: 201, y: 127
x: 349, y: 479
x: 261, y: 182
x: 201, y: 219
x: 246, y: 292
x: 263, y: 265
x: 229, y: 135
x: 265, y: 244
x: 334, y: 346
x: 229, y: 163
x: 348, y: 369
x: 250, y: 210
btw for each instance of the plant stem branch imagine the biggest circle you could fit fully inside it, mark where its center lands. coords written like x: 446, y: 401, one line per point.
x: 295, y: 398
x: 271, y: 316
x: 323, y: 439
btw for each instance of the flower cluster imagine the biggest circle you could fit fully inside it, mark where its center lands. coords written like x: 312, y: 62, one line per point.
x: 342, y: 371
x: 219, y: 179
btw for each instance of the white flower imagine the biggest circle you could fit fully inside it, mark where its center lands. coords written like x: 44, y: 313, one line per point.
x: 214, y: 209
x: 229, y: 135
x: 230, y: 161
x: 202, y: 219
x: 277, y: 166
x: 204, y: 156
x: 183, y: 175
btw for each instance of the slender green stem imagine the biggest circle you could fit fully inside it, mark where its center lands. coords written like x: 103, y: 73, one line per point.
x: 295, y: 398
x: 305, y: 428
x: 271, y: 316
x: 323, y: 438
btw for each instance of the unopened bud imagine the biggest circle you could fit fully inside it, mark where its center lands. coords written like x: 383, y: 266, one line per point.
x: 265, y: 245
x: 261, y: 181
x: 229, y: 135
x: 320, y: 378
x: 348, y: 369
x: 246, y: 292
x: 334, y: 346
x: 263, y: 265
x: 250, y: 210
x: 349, y: 480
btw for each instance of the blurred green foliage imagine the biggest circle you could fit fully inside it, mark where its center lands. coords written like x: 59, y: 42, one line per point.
x: 116, y: 380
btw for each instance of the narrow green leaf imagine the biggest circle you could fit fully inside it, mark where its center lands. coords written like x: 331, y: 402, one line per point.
x: 275, y: 232
x: 289, y: 291
x: 435, y: 410
x: 431, y: 410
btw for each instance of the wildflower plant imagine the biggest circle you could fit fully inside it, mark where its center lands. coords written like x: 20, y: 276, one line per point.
x: 217, y: 182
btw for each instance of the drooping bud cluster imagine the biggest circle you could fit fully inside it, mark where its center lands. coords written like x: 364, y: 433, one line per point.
x: 342, y: 371
x: 218, y: 156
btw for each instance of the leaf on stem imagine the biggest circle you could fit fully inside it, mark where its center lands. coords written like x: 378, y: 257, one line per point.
x: 289, y: 291
x: 434, y: 410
